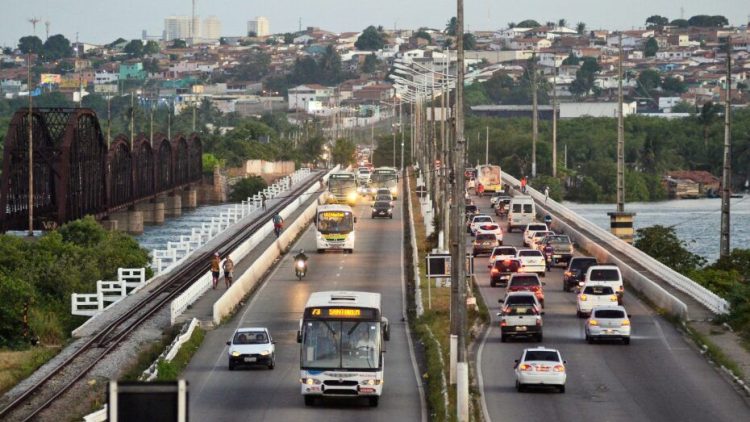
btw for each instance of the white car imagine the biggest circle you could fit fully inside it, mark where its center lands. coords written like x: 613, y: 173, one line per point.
x: 502, y: 252
x: 537, y: 236
x: 251, y: 346
x: 491, y: 228
x: 608, y: 322
x: 363, y: 175
x: 540, y: 367
x: 593, y: 295
x: 532, y: 261
x: 532, y: 227
x: 477, y: 220
x: 607, y: 274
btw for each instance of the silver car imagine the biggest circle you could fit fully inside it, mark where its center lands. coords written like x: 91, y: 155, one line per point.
x: 608, y: 322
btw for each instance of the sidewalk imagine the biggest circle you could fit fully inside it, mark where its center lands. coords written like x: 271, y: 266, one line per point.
x: 729, y: 344
x: 202, y: 309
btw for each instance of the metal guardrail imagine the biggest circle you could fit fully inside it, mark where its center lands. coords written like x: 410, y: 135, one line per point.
x: 707, y: 298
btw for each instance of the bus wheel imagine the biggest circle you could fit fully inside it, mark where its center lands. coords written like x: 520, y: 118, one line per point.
x: 320, y: 251
x: 374, y: 401
x: 309, y: 401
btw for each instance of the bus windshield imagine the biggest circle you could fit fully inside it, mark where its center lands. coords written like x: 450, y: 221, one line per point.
x: 383, y: 178
x: 333, y: 344
x: 335, y: 222
x: 341, y: 186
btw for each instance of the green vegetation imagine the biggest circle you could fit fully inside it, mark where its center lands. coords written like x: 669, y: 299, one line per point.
x: 728, y: 277
x: 247, y: 187
x: 343, y: 152
x: 38, y: 276
x: 170, y: 371
x: 371, y: 39
x: 17, y: 365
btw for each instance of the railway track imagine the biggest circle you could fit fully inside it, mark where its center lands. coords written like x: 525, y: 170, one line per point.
x: 29, y: 404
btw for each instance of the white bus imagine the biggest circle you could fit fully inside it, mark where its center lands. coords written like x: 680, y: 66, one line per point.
x: 334, y: 224
x: 384, y: 177
x: 342, y: 188
x: 342, y: 338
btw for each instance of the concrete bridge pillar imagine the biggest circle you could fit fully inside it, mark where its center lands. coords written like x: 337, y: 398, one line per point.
x: 173, y: 206
x: 135, y: 222
x: 130, y: 221
x: 190, y: 198
x: 153, y: 211
x: 621, y: 225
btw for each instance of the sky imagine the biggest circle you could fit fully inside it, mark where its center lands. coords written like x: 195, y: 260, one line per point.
x: 102, y: 21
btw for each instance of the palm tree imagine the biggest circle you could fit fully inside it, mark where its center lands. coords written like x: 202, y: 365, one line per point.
x: 706, y: 118
x: 581, y: 28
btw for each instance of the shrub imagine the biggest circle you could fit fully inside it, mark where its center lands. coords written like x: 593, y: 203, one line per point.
x: 246, y: 188
x: 17, y: 296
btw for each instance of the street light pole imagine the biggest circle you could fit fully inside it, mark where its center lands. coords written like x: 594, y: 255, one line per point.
x: 31, y: 149
x: 726, y: 176
x: 534, y: 117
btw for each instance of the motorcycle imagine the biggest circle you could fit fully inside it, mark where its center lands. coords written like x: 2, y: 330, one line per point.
x: 300, y: 268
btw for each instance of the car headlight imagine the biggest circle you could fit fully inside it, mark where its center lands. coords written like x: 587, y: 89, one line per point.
x: 352, y: 196
x: 372, y: 382
x: 265, y: 353
x: 394, y: 190
x: 309, y: 381
x: 235, y: 353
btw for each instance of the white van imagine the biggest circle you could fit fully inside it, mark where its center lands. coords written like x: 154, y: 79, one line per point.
x: 521, y: 212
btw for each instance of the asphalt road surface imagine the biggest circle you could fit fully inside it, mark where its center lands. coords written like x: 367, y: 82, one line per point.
x: 658, y: 377
x: 216, y: 394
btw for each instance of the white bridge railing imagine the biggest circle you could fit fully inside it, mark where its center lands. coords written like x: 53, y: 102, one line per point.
x: 165, y: 260
x: 707, y: 298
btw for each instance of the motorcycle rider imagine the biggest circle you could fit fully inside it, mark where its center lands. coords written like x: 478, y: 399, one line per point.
x: 300, y: 257
x: 549, y: 250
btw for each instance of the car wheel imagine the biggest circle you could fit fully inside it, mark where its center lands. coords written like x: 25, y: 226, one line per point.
x: 501, y: 243
x: 309, y: 401
x: 561, y: 389
x: 510, y: 229
x: 579, y: 314
x: 626, y: 341
x: 372, y: 216
x: 520, y: 387
x: 589, y: 339
x: 320, y: 250
x: 503, y: 339
x: 272, y: 364
x: 492, y: 284
x: 539, y: 337
x: 542, y: 274
x: 374, y: 401
x: 391, y: 216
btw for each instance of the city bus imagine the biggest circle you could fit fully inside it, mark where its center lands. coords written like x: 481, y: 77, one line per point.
x: 342, y: 336
x: 384, y: 177
x: 334, y: 224
x: 342, y: 188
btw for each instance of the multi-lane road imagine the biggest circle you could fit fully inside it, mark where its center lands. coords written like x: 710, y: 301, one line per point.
x: 658, y: 377
x: 216, y: 394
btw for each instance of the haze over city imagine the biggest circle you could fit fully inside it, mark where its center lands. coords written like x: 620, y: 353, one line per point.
x: 104, y: 21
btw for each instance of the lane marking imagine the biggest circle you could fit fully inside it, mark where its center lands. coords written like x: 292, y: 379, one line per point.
x: 480, y: 377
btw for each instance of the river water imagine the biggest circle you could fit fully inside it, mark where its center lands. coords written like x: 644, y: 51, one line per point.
x: 697, y: 222
x: 157, y: 236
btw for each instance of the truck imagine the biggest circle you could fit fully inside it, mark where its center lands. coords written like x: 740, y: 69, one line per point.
x: 489, y: 176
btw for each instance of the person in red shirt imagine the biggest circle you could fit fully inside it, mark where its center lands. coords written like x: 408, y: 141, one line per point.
x: 523, y: 184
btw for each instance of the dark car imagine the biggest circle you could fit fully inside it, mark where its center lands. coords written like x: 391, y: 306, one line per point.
x: 502, y: 270
x: 484, y: 244
x: 576, y: 271
x: 471, y: 211
x: 382, y: 209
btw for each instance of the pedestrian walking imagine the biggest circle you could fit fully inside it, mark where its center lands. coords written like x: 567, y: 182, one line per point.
x: 278, y: 224
x: 228, y: 271
x: 523, y: 184
x: 215, y: 265
x: 546, y: 194
x: 263, y: 200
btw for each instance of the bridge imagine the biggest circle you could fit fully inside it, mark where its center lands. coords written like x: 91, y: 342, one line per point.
x: 75, y: 172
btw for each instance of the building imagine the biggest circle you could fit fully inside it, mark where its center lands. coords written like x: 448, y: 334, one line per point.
x: 260, y: 26
x: 300, y: 96
x: 132, y: 71
x: 176, y: 27
x: 211, y: 28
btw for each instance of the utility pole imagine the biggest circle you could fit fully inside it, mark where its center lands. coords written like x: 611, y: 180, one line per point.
x: 458, y: 245
x: 534, y: 117
x: 31, y: 146
x: 486, y: 145
x: 620, y: 135
x: 194, y: 107
x: 554, y: 123
x: 726, y: 176
x: 132, y: 118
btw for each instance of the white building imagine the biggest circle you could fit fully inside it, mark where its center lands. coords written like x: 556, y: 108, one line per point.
x: 101, y: 78
x: 301, y: 96
x: 260, y: 26
x: 211, y: 28
x: 176, y: 27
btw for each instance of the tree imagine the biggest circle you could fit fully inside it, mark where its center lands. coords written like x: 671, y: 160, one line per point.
x: 57, y: 47
x: 673, y: 85
x: 706, y: 21
x: 370, y: 64
x: 656, y: 20
x: 305, y: 70
x: 663, y: 244
x: 571, y: 60
x: 17, y: 295
x: 247, y: 187
x: 134, y: 48
x: 30, y: 44
x: 370, y: 40
x: 649, y: 80
x: 470, y: 41
x: 151, y: 66
x: 178, y: 44
x: 151, y: 47
x: 511, y: 25
x: 421, y: 33
x: 683, y: 107
x: 330, y: 66
x: 561, y: 23
x: 650, y: 47
x: 288, y: 38
x: 343, y: 152
x: 253, y: 66
x: 528, y: 23
x: 680, y: 23
x: 451, y: 27
x: 584, y: 81
x: 581, y: 28
x: 708, y: 115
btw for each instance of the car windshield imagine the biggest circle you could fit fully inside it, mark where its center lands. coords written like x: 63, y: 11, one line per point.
x: 471, y: 208
x: 529, y: 252
x: 483, y: 237
x: 383, y: 198
x: 341, y: 344
x: 489, y: 227
x: 581, y: 263
x: 521, y: 309
x: 504, y: 251
x: 598, y: 290
x: 559, y: 239
x: 536, y: 227
x: 540, y: 234
x: 250, y: 337
x: 604, y: 275
x: 510, y: 265
x: 609, y: 313
x: 546, y: 355
x: 382, y: 204
x: 520, y: 300
x: 524, y: 281
x: 482, y: 219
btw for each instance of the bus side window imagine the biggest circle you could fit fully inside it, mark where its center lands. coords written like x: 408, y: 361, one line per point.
x: 386, y: 329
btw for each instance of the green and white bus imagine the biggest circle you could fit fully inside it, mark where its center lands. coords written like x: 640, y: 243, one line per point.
x: 334, y: 226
